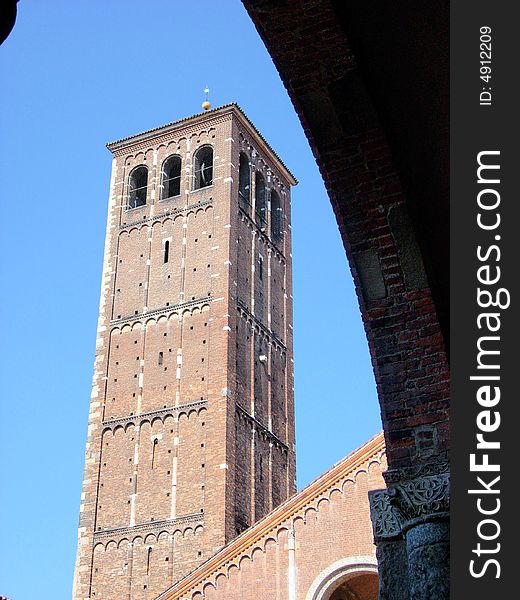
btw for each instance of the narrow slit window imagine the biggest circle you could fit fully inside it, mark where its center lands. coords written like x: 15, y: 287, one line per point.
x: 261, y: 268
x: 154, y: 453
x: 138, y: 186
x: 160, y: 359
x: 166, y: 251
x: 171, y: 177
x: 148, y: 561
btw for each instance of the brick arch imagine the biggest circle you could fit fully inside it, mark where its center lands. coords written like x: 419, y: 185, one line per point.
x: 402, y: 304
x: 381, y: 142
x: 339, y: 572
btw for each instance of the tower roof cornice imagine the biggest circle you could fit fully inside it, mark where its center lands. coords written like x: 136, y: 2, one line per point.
x: 230, y: 108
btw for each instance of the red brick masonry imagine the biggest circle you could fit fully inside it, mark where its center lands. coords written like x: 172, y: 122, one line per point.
x: 313, y: 539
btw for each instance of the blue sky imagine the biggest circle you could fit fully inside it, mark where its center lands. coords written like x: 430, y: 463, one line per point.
x: 75, y: 75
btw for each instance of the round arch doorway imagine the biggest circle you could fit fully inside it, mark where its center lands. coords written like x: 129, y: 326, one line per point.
x: 347, y: 579
x: 360, y: 586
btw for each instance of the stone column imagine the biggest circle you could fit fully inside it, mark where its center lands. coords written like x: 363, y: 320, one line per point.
x: 411, y: 530
x: 391, y: 552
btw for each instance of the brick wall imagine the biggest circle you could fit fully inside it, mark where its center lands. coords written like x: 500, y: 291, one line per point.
x: 317, y: 541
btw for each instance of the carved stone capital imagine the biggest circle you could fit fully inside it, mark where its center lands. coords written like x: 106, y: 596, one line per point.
x: 385, y: 518
x: 405, y: 504
x: 421, y: 499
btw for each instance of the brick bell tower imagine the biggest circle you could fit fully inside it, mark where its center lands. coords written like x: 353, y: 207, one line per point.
x: 191, y: 426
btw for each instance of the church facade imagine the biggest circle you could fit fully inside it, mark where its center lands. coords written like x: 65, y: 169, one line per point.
x: 190, y: 457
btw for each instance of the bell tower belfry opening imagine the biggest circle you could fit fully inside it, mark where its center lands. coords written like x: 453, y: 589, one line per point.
x: 191, y: 425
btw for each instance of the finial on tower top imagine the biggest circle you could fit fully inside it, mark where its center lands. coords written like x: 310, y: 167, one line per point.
x: 206, y: 104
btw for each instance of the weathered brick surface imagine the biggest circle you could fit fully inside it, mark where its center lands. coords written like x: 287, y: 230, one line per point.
x: 188, y: 441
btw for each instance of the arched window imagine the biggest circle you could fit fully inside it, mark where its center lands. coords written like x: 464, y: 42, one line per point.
x: 203, y: 167
x: 171, y: 177
x: 276, y: 217
x: 260, y: 198
x: 137, y: 187
x: 244, y: 180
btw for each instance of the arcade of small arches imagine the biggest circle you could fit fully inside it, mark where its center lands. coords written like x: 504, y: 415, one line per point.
x: 164, y: 218
x: 145, y: 320
x: 150, y: 539
x: 169, y: 214
x: 152, y: 554
x: 196, y: 408
x: 257, y: 163
x: 188, y: 309
x: 351, y: 579
x: 273, y: 348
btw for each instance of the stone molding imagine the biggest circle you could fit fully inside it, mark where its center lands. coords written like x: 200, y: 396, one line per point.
x: 262, y: 428
x: 111, y: 424
x: 117, y: 534
x: 160, y: 311
x: 166, y: 215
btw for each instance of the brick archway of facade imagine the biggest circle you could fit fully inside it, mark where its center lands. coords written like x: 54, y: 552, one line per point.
x: 339, y: 572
